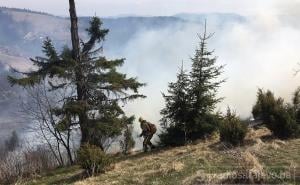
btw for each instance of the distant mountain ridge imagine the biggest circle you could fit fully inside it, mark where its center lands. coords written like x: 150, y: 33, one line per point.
x: 24, y: 10
x: 26, y: 29
x: 193, y: 16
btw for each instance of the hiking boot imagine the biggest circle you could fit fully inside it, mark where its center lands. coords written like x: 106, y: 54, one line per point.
x: 145, y: 148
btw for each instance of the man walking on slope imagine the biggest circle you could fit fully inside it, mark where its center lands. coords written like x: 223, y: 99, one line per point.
x: 148, y: 130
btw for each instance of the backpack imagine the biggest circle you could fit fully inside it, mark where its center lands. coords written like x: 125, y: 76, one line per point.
x: 152, y: 128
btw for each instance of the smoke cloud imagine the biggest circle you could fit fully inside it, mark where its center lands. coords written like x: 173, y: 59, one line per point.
x: 261, y: 52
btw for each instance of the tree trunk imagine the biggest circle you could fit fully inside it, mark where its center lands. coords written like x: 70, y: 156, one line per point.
x: 79, y: 74
x: 59, y: 153
x: 69, y: 148
x: 74, y: 31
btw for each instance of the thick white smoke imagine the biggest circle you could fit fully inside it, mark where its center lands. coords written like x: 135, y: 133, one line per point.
x: 262, y: 52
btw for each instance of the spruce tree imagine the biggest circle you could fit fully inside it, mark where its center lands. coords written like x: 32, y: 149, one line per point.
x: 204, y: 77
x: 175, y: 113
x: 96, y: 87
x: 191, y: 100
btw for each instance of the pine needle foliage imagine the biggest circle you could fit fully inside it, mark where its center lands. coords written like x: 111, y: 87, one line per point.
x: 99, y: 86
x: 191, y: 100
x: 280, y: 117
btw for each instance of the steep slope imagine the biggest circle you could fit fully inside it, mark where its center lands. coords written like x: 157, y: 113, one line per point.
x: 207, y: 162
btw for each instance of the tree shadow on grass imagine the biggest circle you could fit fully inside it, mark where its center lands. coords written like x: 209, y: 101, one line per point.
x: 141, y: 154
x: 267, y: 138
x: 69, y: 179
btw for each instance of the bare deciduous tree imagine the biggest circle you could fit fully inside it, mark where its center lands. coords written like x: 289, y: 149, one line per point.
x: 40, y: 107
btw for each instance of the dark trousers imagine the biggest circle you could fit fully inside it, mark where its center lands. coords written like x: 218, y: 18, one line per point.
x: 147, y: 141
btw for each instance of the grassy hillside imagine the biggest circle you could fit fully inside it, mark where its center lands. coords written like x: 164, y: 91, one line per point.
x: 207, y: 161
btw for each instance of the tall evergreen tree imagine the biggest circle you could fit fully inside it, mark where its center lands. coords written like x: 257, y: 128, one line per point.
x: 203, y: 88
x: 175, y: 113
x: 191, y: 100
x: 99, y: 87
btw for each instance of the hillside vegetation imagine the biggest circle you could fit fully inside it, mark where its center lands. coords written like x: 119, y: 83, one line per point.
x: 205, y: 162
x: 78, y: 90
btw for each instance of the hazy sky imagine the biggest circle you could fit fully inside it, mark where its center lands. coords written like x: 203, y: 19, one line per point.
x: 145, y: 7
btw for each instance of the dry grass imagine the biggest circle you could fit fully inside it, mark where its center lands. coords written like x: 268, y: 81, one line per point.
x: 259, y: 133
x: 249, y: 169
x: 207, y: 162
x: 171, y: 166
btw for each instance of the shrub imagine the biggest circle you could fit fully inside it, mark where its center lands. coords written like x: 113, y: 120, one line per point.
x: 93, y: 159
x: 38, y: 160
x: 172, y: 136
x: 127, y: 143
x: 281, y: 119
x: 204, y: 125
x: 25, y: 164
x: 283, y: 124
x: 181, y: 134
x: 232, y: 130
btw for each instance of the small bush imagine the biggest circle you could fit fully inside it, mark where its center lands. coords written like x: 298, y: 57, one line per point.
x: 127, y: 143
x: 93, y: 159
x: 199, y: 128
x: 172, y: 136
x: 28, y: 163
x: 284, y: 125
x: 282, y: 119
x: 232, y: 130
x: 204, y: 125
